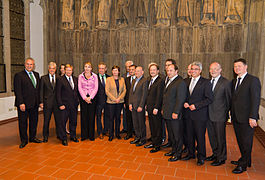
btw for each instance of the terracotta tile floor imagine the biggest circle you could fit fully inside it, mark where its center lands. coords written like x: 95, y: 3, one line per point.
x: 111, y: 160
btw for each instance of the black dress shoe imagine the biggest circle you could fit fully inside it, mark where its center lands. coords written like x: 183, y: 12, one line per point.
x: 200, y: 162
x: 35, y: 140
x: 163, y: 140
x: 135, y: 141
x: 127, y: 137
x: 155, y: 149
x: 188, y: 157
x: 236, y: 163
x: 174, y: 158
x: 110, y: 138
x: 74, y: 139
x: 211, y: 158
x: 185, y: 150
x: 149, y: 146
x: 64, y: 142
x: 166, y: 145
x: 169, y: 154
x: 141, y: 143
x: 123, y: 131
x: 217, y: 163
x: 83, y: 139
x: 118, y: 137
x: 45, y: 139
x: 22, y: 145
x: 239, y: 170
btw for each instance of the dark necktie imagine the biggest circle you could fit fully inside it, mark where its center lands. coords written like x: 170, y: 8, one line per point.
x: 70, y: 82
x: 103, y: 81
x: 151, y: 82
x: 238, y: 83
x: 53, y: 82
x: 213, y: 84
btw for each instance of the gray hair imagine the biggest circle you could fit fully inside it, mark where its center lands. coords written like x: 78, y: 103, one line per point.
x: 131, y: 62
x: 197, y: 63
x: 52, y: 64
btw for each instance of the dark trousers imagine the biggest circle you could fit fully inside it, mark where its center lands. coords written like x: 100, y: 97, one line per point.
x: 124, y: 119
x: 69, y: 113
x: 47, y: 117
x: 217, y: 137
x: 185, y: 131
x: 23, y: 116
x: 115, y: 116
x: 88, y: 112
x: 129, y: 121
x: 139, y: 124
x: 244, y: 136
x: 196, y: 131
x: 155, y: 123
x: 175, y: 132
x: 99, y: 108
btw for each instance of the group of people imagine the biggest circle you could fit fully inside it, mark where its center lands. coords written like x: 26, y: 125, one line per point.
x: 185, y: 107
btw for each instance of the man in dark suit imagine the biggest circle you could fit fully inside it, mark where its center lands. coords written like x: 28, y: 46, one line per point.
x: 174, y: 96
x: 26, y: 87
x: 101, y: 99
x: 153, y: 107
x: 128, y: 113
x: 137, y: 100
x: 218, y: 115
x: 67, y: 99
x: 245, y: 103
x: 199, y: 97
x: 48, y: 101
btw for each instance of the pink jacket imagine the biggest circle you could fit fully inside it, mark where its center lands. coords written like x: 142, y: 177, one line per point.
x: 88, y: 86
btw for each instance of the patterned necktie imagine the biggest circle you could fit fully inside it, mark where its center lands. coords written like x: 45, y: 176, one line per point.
x: 70, y: 82
x: 32, y: 79
x: 238, y: 83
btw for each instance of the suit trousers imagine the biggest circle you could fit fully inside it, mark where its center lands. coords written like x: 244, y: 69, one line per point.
x: 71, y: 113
x: 47, y: 117
x: 23, y: 116
x: 196, y: 131
x: 124, y: 119
x: 99, y: 108
x: 217, y: 137
x: 155, y: 123
x: 129, y: 121
x: 244, y: 135
x: 88, y: 112
x: 175, y: 132
x: 114, y: 111
x: 139, y: 124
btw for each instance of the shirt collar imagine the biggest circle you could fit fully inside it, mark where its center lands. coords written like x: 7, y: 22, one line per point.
x: 243, y: 76
x: 154, y: 78
x: 216, y: 78
x: 173, y: 78
x: 196, y: 79
x: 28, y: 71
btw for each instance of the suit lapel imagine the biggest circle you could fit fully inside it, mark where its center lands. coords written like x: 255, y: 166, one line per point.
x: 217, y: 86
x: 242, y: 83
x: 197, y: 85
x: 28, y: 78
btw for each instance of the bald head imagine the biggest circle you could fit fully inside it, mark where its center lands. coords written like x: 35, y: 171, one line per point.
x: 215, y: 69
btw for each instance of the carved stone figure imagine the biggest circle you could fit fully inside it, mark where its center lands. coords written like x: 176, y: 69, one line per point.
x: 163, y: 9
x: 234, y: 11
x: 104, y: 13
x: 122, y: 15
x: 208, y: 12
x: 183, y: 13
x: 85, y: 18
x: 68, y: 14
x: 142, y: 12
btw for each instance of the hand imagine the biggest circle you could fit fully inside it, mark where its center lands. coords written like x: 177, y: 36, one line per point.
x: 186, y: 105
x: 252, y: 123
x: 62, y: 107
x: 118, y: 100
x: 192, y: 107
x: 155, y: 111
x: 174, y: 116
x: 22, y: 107
x: 162, y: 112
x: 41, y: 105
x: 130, y: 107
x: 139, y: 109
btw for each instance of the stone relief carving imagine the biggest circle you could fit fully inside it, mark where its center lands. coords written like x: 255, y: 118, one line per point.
x: 122, y: 15
x: 104, y: 14
x: 68, y: 14
x: 208, y: 12
x: 163, y: 9
x: 183, y: 13
x: 141, y: 12
x: 85, y: 18
x: 234, y: 12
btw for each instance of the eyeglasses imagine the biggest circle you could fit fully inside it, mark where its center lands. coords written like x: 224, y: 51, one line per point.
x: 195, y: 69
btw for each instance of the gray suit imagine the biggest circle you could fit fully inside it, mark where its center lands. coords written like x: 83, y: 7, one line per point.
x: 218, y: 115
x: 137, y: 98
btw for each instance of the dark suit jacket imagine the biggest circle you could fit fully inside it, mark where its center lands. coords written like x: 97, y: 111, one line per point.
x: 219, y: 108
x: 246, y: 99
x: 154, y: 94
x: 101, y: 96
x: 47, y: 93
x: 174, y: 97
x: 128, y: 88
x: 138, y: 97
x: 201, y: 97
x: 24, y: 90
x: 65, y: 94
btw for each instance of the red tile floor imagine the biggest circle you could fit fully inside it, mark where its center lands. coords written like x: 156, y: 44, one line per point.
x: 118, y: 159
